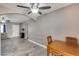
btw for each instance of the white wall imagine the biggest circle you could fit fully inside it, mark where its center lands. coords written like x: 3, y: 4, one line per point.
x: 15, y: 30
x: 9, y: 29
x: 0, y: 39
x: 0, y: 43
x: 58, y: 24
x: 25, y: 26
x: 12, y: 30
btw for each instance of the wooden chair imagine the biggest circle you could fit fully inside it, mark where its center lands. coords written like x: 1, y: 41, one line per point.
x: 71, y: 41
x: 49, y: 39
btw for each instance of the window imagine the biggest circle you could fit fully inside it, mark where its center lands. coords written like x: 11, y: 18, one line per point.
x: 3, y: 28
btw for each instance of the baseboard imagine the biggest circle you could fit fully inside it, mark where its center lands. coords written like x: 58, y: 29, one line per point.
x: 37, y: 43
x: 13, y: 37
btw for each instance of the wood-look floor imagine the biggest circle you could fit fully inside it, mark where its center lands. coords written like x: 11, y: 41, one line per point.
x: 21, y: 47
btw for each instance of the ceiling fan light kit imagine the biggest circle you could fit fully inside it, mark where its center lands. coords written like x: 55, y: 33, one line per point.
x: 4, y: 18
x: 35, y: 8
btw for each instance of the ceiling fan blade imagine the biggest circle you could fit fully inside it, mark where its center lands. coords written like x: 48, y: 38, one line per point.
x: 23, y: 6
x: 29, y: 12
x: 40, y: 12
x: 45, y: 7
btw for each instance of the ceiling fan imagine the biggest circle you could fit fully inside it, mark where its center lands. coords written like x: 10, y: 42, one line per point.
x: 34, y: 8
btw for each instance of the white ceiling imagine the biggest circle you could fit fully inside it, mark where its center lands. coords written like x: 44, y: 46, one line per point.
x: 9, y: 8
x: 17, y: 17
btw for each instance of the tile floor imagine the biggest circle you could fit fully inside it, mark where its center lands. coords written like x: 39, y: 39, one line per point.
x: 21, y: 47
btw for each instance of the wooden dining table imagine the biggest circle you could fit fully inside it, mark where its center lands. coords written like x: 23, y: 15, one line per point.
x: 60, y: 48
